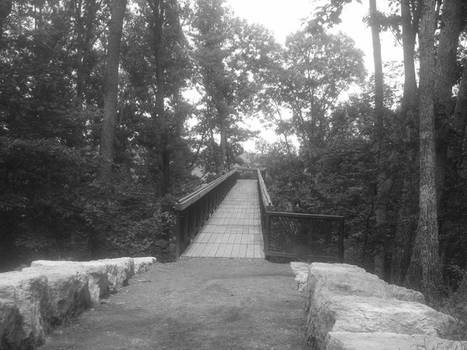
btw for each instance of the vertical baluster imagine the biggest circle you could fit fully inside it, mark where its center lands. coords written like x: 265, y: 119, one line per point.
x: 195, y: 219
x: 341, y: 240
x: 267, y: 232
x: 178, y: 233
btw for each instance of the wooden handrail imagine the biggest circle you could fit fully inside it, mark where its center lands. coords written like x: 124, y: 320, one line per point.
x: 266, y: 199
x: 203, y: 190
x: 306, y: 215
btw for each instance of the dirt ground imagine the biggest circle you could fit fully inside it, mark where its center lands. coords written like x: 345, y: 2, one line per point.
x: 196, y: 304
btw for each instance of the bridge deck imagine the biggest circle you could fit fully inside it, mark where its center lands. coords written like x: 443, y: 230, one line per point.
x: 234, y: 230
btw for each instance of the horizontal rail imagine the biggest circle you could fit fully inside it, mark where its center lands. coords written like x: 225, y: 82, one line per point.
x: 193, y: 197
x: 265, y: 197
x: 303, y: 236
x: 305, y: 215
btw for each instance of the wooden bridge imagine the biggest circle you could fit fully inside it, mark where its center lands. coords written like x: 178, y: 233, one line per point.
x: 234, y: 217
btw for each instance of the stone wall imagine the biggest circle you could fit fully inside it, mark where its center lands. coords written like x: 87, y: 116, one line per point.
x: 37, y: 298
x: 350, y: 309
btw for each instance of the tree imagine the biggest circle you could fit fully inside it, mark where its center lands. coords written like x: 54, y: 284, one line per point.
x: 234, y: 59
x: 5, y: 9
x: 453, y: 16
x: 86, y: 25
x: 211, y: 24
x: 318, y: 68
x: 156, y: 59
x: 425, y: 258
x: 384, y: 182
x: 407, y: 214
x: 117, y: 9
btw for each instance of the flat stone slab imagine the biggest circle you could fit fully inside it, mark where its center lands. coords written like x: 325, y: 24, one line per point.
x: 37, y: 298
x: 390, y: 341
x: 350, y: 309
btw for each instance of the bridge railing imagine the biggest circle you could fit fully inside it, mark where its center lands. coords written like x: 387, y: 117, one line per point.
x: 193, y: 210
x: 289, y: 235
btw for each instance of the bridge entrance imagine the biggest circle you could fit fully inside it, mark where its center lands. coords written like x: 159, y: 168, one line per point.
x: 234, y: 230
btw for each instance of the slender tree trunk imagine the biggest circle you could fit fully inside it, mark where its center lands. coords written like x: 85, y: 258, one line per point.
x: 452, y: 23
x: 222, y: 115
x: 158, y: 9
x: 5, y: 9
x: 117, y: 8
x: 223, y: 146
x: 85, y: 28
x: 460, y: 114
x: 425, y: 258
x: 383, y: 183
x: 459, y: 144
x: 406, y: 217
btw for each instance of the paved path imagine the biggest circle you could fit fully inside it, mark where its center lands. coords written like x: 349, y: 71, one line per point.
x: 195, y: 304
x: 234, y: 230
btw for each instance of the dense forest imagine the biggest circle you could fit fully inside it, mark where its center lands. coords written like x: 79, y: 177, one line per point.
x: 108, y: 106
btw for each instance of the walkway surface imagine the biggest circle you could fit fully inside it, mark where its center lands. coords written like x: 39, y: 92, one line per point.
x: 234, y: 230
x: 195, y: 304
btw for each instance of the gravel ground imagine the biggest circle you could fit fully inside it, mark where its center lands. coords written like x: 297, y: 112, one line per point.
x: 196, y: 304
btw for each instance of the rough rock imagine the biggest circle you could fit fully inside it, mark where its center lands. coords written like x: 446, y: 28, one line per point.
x: 301, y: 274
x: 143, y: 264
x: 28, y: 291
x: 352, y: 280
x: 389, y: 341
x: 344, y: 302
x: 118, y: 271
x: 336, y: 313
x: 39, y: 297
x: 10, y: 325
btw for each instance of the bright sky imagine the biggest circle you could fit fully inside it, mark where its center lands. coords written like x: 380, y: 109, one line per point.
x: 283, y: 20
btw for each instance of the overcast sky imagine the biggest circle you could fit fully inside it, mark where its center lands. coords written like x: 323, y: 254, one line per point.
x: 284, y: 17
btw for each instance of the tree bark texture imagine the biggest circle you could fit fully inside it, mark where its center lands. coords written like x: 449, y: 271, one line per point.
x: 460, y: 123
x: 86, y: 33
x: 117, y: 8
x: 425, y: 258
x: 406, y: 224
x: 452, y: 23
x: 383, y: 182
x: 5, y: 9
x: 158, y: 10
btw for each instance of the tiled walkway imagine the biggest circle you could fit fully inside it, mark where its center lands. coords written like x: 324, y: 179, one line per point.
x: 234, y: 230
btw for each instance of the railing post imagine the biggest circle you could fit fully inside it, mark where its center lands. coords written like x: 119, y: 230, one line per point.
x: 341, y: 241
x: 267, y: 231
x: 178, y: 234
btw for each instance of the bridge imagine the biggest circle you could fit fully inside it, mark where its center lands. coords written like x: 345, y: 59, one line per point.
x: 234, y: 217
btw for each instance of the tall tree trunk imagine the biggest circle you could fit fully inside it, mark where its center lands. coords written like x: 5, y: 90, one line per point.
x: 452, y: 23
x: 158, y: 10
x: 5, y: 9
x: 117, y: 8
x: 383, y: 183
x: 85, y: 28
x: 406, y: 217
x: 224, y: 162
x: 222, y: 115
x: 460, y: 118
x: 425, y: 258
